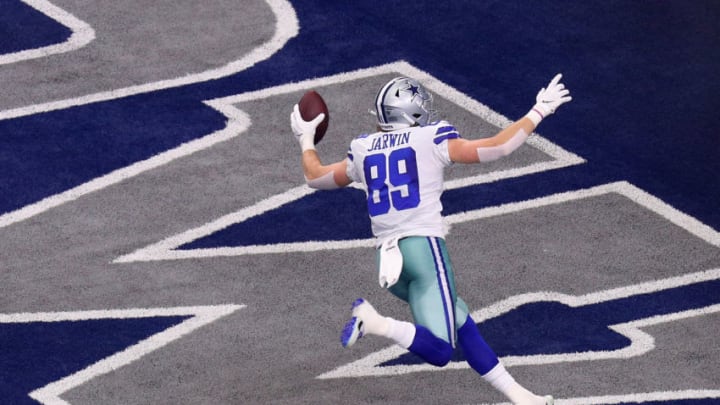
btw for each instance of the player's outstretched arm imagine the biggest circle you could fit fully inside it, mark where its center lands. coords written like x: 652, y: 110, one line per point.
x: 509, y: 139
x: 317, y: 175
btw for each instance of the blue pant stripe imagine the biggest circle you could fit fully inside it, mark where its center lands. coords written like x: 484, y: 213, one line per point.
x: 444, y: 285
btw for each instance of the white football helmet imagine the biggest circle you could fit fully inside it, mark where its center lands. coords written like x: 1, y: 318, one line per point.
x: 403, y: 102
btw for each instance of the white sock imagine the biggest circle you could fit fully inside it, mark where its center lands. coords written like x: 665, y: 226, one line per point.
x: 499, y: 378
x: 403, y: 333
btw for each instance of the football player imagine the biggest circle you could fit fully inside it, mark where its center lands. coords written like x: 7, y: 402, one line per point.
x: 402, y: 168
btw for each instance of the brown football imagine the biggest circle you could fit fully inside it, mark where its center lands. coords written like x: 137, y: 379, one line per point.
x: 311, y: 105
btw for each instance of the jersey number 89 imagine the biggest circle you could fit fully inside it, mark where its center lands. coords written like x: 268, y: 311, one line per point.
x: 392, y: 181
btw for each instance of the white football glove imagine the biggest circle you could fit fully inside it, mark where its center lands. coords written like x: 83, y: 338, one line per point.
x: 304, y: 130
x: 549, y: 99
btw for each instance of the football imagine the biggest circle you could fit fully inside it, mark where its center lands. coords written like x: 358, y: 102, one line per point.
x: 311, y: 105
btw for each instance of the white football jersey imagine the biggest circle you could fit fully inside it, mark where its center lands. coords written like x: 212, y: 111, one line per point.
x: 403, y: 172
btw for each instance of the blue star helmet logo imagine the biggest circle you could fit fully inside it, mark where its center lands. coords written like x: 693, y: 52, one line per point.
x: 414, y: 90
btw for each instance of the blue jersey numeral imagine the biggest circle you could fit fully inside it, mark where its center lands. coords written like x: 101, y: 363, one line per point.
x: 400, y: 170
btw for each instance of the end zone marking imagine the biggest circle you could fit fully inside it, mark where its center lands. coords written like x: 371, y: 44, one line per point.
x: 201, y: 315
x: 165, y: 249
x: 82, y: 34
x: 623, y: 188
x: 286, y: 27
x: 232, y: 129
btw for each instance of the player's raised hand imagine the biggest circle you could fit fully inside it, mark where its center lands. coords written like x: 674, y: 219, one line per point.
x: 304, y: 130
x: 551, y: 97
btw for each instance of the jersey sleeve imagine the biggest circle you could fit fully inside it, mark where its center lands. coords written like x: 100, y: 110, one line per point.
x: 444, y: 131
x: 351, y: 170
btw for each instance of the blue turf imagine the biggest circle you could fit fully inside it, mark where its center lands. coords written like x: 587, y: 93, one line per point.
x: 23, y: 27
x: 37, y: 353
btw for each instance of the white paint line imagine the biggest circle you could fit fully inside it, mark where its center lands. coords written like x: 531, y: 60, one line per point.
x: 167, y: 245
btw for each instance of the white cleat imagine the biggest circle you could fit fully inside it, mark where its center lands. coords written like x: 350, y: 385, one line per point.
x: 353, y: 330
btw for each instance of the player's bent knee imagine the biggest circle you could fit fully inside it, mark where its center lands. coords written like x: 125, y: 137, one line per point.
x: 431, y: 348
x: 442, y: 355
